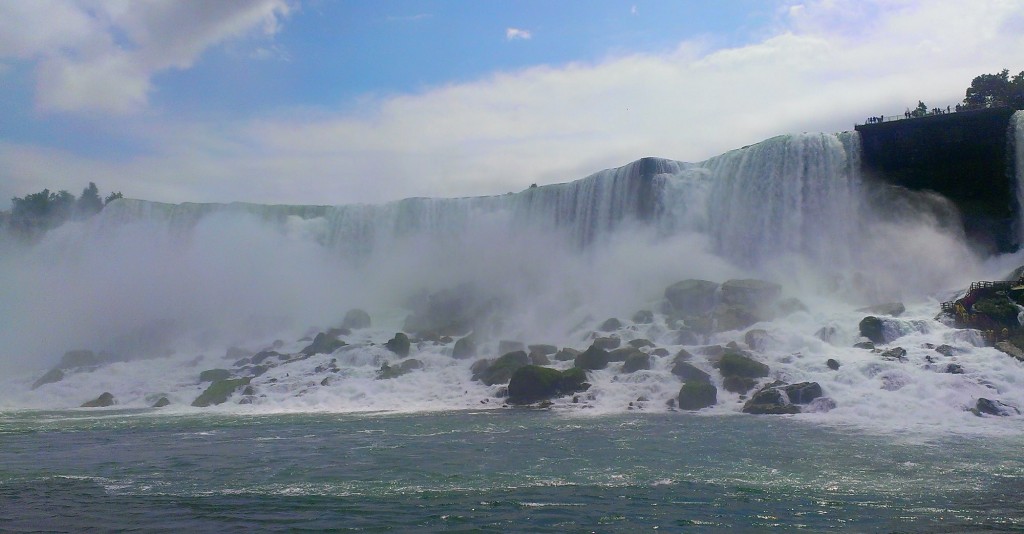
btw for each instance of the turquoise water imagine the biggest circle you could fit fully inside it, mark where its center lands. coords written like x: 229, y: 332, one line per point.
x: 495, y: 471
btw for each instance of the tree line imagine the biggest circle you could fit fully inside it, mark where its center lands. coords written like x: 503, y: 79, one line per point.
x: 998, y: 90
x: 32, y: 215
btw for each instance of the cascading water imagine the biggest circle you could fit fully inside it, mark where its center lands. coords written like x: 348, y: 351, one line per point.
x: 168, y: 288
x: 1017, y: 142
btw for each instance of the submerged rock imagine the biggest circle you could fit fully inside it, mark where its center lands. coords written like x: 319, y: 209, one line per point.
x: 219, y: 392
x: 105, y: 399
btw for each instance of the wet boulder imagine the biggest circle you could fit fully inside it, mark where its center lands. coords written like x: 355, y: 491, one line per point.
x: 802, y: 393
x: 533, y: 383
x: 161, y: 402
x: 620, y: 354
x: 213, y: 375
x: 355, y: 319
x: 51, y: 376
x: 567, y: 354
x: 736, y: 364
x: 832, y: 364
x: 387, y: 372
x: 610, y: 325
x: 323, y: 343
x: 641, y: 343
x: 539, y: 358
x: 500, y: 371
x: 219, y: 392
x: 750, y: 293
x: 105, y: 399
x: 696, y: 395
x: 637, y: 361
x: 541, y: 348
x: 770, y: 401
x: 464, y: 348
x: 592, y: 359
x: 872, y: 328
x: 607, y: 343
x: 643, y: 317
x: 691, y: 297
x: 994, y: 407
x: 689, y: 373
x: 399, y: 344
x: 897, y: 354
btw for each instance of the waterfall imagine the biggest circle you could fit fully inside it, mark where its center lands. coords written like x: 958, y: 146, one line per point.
x: 1016, y: 139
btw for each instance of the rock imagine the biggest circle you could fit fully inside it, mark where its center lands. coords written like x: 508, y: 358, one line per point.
x: 954, y: 369
x: 105, y: 399
x: 682, y: 356
x: 79, y: 358
x: 697, y: 394
x: 1009, y: 348
x: 478, y: 368
x: 994, y: 407
x: 638, y: 361
x: 689, y: 373
x: 260, y: 357
x: 820, y: 405
x: 323, y: 344
x: 895, y: 354
x: 757, y: 339
x: 356, y: 319
x: 643, y: 317
x: 735, y: 364
x: 507, y: 346
x: 387, y: 372
x: 610, y: 325
x: 219, y: 392
x: 326, y: 381
x: 592, y: 359
x: 51, y: 376
x: 567, y: 354
x: 501, y: 370
x: 546, y: 350
x: 660, y: 352
x: 866, y: 345
x: 236, y: 353
x: 607, y: 343
x: 685, y: 336
x: 828, y: 334
x: 803, y: 393
x: 999, y: 309
x: 712, y: 350
x: 574, y: 379
x: 691, y: 297
x: 539, y: 358
x: 213, y: 375
x: 161, y: 402
x: 728, y: 317
x: 872, y: 328
x: 620, y: 354
x: 640, y: 343
x: 738, y: 384
x: 399, y: 344
x: 533, y: 383
x: 832, y: 364
x: 249, y: 391
x: 750, y: 293
x: 464, y: 349
x: 335, y: 332
x: 770, y: 400
x: 945, y: 350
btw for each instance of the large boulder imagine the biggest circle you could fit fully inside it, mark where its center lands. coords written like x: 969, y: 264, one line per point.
x: 689, y: 373
x: 356, y: 319
x: 388, y: 371
x: 219, y: 392
x: 736, y: 364
x: 323, y: 343
x: 500, y: 370
x: 464, y: 349
x: 697, y: 394
x: 399, y: 344
x: 610, y: 325
x: 770, y: 401
x: 542, y: 348
x: 105, y: 399
x: 750, y: 293
x: 51, y: 376
x: 994, y: 407
x: 872, y: 328
x: 802, y: 393
x: 533, y: 383
x: 592, y: 359
x: 892, y: 309
x: 213, y: 375
x: 567, y: 354
x: 691, y: 297
x: 637, y: 361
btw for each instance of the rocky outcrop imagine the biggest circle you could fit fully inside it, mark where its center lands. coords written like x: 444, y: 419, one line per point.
x: 399, y: 344
x: 387, y: 371
x: 105, y: 399
x: 691, y: 297
x: 219, y: 392
x: 533, y: 383
x: 592, y: 359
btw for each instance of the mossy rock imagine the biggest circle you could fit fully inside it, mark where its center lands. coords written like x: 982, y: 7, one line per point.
x: 219, y: 392
x: 592, y: 359
x: 697, y: 394
x: 323, y: 343
x: 501, y: 370
x: 214, y: 375
x: 399, y: 344
x: 689, y: 373
x: 735, y: 364
x: 533, y: 383
x: 105, y: 399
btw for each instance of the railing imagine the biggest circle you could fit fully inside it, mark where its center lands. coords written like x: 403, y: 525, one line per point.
x: 948, y: 307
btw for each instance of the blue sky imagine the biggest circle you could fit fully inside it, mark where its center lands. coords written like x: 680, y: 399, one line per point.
x: 330, y: 102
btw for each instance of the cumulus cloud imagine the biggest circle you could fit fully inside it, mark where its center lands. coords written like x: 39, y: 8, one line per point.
x: 823, y: 68
x: 513, y: 34
x: 101, y: 55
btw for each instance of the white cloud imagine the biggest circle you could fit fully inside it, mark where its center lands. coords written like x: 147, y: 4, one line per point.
x: 101, y: 55
x: 512, y: 34
x: 632, y: 9
x: 822, y: 70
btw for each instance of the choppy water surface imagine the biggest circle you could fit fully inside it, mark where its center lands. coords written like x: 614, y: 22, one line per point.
x: 497, y: 470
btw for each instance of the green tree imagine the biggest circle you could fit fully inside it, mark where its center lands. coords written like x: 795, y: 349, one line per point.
x: 39, y: 212
x: 996, y: 90
x: 112, y: 197
x: 89, y: 203
x: 920, y: 111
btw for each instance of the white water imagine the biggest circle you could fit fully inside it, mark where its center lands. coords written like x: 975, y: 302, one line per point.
x: 173, y: 286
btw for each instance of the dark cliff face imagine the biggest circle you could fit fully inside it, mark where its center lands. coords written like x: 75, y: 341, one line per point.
x: 963, y: 156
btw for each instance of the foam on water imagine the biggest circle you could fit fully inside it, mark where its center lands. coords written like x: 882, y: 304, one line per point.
x: 170, y: 287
